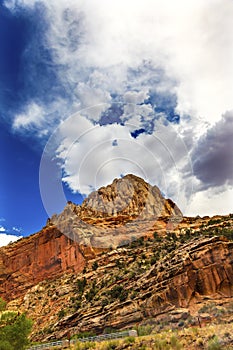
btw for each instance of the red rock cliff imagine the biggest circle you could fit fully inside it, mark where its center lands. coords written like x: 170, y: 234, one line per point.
x: 46, y: 254
x: 51, y: 252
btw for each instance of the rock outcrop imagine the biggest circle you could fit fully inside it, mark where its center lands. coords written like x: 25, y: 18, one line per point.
x: 124, y: 256
x: 44, y: 255
x: 128, y: 197
x: 123, y: 290
x: 111, y: 216
x: 114, y: 214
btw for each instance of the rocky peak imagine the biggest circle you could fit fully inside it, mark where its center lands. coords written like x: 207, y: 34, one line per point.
x: 113, y: 214
x: 109, y: 217
x: 129, y: 196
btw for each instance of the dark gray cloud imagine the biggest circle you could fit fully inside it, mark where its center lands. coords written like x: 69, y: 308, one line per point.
x: 213, y: 157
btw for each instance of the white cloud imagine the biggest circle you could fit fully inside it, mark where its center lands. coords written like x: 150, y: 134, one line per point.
x: 33, y: 115
x: 17, y: 229
x: 192, y: 41
x: 95, y: 96
x: 2, y: 229
x: 95, y: 43
x: 211, y: 203
x: 6, y: 239
x: 119, y: 48
x: 92, y: 156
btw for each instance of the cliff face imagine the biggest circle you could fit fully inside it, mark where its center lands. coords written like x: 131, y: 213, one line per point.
x: 44, y: 255
x: 124, y: 289
x: 70, y: 239
x: 114, y: 214
x: 201, y: 268
x: 138, y: 265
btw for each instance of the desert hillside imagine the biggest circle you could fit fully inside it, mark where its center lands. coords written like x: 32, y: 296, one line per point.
x: 139, y: 264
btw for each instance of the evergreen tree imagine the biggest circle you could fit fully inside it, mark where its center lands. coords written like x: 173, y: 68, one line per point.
x: 14, y: 329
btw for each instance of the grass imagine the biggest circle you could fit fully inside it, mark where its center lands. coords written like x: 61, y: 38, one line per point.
x: 210, y: 337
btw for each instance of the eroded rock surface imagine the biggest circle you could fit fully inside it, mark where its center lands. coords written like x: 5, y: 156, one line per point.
x: 125, y: 291
x: 109, y: 217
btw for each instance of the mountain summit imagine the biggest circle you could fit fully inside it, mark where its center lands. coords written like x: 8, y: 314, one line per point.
x: 110, y: 217
x: 123, y: 258
x: 129, y: 196
x: 114, y: 213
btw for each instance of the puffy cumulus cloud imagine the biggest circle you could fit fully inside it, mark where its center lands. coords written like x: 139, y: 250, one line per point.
x: 212, y: 158
x: 6, y: 239
x: 94, y: 49
x: 143, y: 65
x: 210, y: 203
x: 92, y: 155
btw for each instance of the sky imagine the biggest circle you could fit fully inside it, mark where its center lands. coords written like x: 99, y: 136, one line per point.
x: 91, y: 91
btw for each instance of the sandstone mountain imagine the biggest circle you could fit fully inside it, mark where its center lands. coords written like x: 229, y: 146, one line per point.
x: 128, y: 197
x: 165, y: 281
x: 112, y: 216
x: 126, y: 256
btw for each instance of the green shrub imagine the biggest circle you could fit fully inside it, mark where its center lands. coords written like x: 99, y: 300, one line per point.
x: 175, y: 343
x: 83, y: 335
x: 214, y: 344
x: 90, y: 294
x: 104, y: 302
x: 111, y: 345
x: 61, y: 314
x: 5, y: 345
x: 161, y: 344
x: 130, y: 340
x: 81, y: 284
x: 85, y: 346
x: 144, y: 330
x: 2, y: 304
x: 157, y: 238
x: 95, y: 265
x: 153, y: 260
x: 14, y: 331
x: 118, y: 292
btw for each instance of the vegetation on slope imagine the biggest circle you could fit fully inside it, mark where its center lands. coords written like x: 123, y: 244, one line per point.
x: 14, y: 329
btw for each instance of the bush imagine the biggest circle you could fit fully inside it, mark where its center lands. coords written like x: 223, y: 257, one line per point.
x: 175, y: 343
x: 118, y: 292
x: 85, y: 346
x: 61, y: 314
x: 95, y: 265
x: 84, y: 335
x: 104, y: 302
x: 5, y: 345
x: 130, y: 340
x: 14, y: 331
x: 2, y: 304
x: 157, y: 238
x: 81, y: 285
x: 144, y: 330
x: 91, y: 294
x: 161, y: 344
x: 111, y: 345
x: 214, y: 344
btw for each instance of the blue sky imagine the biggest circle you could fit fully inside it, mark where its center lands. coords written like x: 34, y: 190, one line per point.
x: 106, y: 90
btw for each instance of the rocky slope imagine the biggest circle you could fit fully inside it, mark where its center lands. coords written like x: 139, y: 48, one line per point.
x: 44, y: 255
x: 113, y: 214
x: 162, y: 280
x: 109, y: 217
x: 134, y: 261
